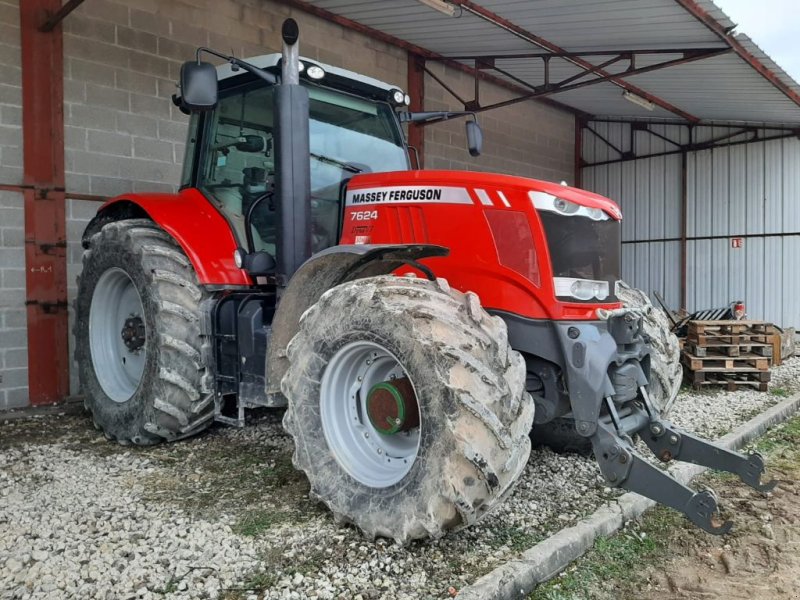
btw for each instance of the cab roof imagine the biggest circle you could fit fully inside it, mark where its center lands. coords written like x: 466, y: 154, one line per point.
x: 272, y: 61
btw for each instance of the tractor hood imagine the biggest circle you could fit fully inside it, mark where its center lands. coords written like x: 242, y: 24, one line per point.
x: 466, y: 187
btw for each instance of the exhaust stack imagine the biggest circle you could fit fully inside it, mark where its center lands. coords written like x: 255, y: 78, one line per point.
x: 293, y: 175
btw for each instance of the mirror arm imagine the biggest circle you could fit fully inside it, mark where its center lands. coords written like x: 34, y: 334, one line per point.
x: 237, y: 62
x: 434, y: 117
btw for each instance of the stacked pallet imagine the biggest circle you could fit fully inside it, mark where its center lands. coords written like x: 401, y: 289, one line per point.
x: 732, y: 354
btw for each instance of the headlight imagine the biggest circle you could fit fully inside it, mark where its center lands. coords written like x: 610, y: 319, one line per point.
x: 581, y: 289
x: 238, y: 257
x: 549, y: 202
x: 315, y: 72
x: 397, y: 97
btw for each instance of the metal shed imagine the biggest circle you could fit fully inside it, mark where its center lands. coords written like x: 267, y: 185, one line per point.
x: 689, y: 125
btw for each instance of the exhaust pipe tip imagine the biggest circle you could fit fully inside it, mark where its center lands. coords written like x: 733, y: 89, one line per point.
x: 290, y: 32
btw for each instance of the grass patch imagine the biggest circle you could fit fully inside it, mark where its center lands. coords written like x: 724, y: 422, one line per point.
x: 781, y: 442
x: 615, y: 564
x: 516, y: 538
x: 256, y: 522
x: 780, y: 392
x: 613, y: 560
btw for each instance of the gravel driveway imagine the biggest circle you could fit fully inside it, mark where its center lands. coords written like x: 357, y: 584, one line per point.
x: 225, y: 515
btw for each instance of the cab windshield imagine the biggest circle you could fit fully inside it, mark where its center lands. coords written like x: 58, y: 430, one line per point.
x: 348, y: 135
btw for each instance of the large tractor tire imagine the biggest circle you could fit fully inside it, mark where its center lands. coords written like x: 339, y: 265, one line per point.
x: 665, y: 374
x: 407, y: 407
x: 137, y: 336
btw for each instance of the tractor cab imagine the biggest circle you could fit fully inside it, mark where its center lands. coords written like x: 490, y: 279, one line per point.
x: 231, y: 150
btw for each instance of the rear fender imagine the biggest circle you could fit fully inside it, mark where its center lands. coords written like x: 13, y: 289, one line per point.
x: 321, y: 272
x: 193, y: 222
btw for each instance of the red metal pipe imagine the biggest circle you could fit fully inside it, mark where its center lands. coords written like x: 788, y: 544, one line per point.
x: 5, y: 187
x: 45, y: 219
x: 578, y: 157
x: 416, y: 91
x: 711, y: 23
x: 539, y: 41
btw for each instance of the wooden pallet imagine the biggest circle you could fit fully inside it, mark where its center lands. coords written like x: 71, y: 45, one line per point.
x: 713, y: 348
x: 731, y: 354
x: 730, y: 327
x: 708, y: 339
x: 732, y: 381
x: 734, y: 385
x: 743, y: 362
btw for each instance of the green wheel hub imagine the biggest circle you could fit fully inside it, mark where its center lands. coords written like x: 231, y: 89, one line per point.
x: 392, y: 406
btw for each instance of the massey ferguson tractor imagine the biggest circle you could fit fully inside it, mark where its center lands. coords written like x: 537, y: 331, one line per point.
x: 419, y: 326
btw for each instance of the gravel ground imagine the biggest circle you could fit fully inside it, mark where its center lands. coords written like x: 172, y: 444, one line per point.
x: 225, y: 515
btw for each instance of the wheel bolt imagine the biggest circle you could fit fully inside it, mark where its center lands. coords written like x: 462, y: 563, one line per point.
x: 366, y: 434
x: 380, y: 451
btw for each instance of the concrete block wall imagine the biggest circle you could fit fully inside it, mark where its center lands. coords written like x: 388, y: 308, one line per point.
x: 13, y: 332
x: 13, y: 323
x: 10, y: 94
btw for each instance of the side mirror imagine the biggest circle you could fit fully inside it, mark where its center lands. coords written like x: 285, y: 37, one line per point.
x: 198, y: 86
x: 474, y: 138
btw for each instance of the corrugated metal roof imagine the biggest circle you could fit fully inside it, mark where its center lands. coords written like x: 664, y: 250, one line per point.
x: 723, y: 89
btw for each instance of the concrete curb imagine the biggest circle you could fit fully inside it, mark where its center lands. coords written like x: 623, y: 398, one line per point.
x: 519, y: 576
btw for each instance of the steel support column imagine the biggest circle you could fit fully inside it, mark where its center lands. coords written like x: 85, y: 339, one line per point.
x: 684, y: 231
x: 416, y: 91
x: 45, y: 218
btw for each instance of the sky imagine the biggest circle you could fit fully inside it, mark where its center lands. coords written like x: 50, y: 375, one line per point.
x: 774, y: 25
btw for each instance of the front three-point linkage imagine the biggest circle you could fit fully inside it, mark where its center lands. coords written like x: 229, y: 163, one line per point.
x: 621, y: 466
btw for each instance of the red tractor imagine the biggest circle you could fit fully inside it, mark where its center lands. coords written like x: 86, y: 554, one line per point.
x: 303, y: 264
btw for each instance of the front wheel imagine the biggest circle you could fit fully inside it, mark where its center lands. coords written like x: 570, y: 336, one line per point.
x: 407, y: 407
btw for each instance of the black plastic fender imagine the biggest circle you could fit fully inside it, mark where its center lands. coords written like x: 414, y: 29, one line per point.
x: 321, y: 272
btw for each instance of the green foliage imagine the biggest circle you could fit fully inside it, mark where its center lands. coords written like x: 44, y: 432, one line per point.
x: 516, y: 538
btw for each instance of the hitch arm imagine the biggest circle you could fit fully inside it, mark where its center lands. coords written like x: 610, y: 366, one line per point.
x: 668, y: 442
x: 622, y: 467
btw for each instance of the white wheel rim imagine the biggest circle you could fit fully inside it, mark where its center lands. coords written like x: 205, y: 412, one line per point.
x: 118, y: 369
x: 368, y: 456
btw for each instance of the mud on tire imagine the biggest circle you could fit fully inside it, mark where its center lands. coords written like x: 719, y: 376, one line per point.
x: 169, y: 402
x: 470, y: 386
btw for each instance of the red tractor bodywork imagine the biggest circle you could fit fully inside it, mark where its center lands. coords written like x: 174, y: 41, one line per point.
x: 498, y: 247
x: 497, y: 244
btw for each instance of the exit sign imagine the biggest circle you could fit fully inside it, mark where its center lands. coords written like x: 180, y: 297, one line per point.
x: 737, y: 243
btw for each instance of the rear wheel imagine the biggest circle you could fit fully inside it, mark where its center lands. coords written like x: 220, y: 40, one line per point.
x: 137, y: 333
x: 407, y: 407
x: 665, y: 374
